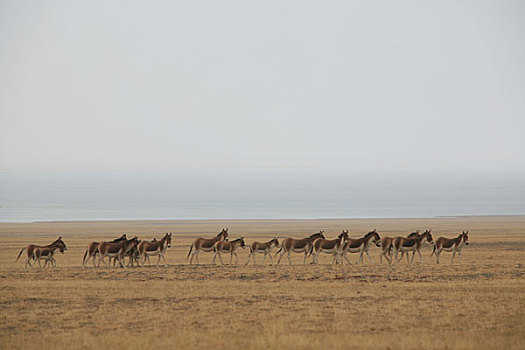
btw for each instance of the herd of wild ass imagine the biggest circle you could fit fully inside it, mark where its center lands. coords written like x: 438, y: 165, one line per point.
x: 139, y: 251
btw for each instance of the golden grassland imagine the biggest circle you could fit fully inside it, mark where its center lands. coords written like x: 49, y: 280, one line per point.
x: 478, y: 303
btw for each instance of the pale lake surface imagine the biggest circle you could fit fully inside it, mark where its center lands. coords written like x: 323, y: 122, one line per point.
x: 257, y: 194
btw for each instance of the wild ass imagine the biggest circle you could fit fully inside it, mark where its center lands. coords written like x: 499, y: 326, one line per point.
x: 402, y: 244
x: 304, y: 245
x: 330, y: 246
x: 361, y: 245
x: 228, y: 247
x: 454, y: 245
x: 36, y: 252
x: 146, y: 249
x: 92, y: 250
x: 386, y: 247
x: 206, y: 244
x: 262, y: 248
x: 115, y: 250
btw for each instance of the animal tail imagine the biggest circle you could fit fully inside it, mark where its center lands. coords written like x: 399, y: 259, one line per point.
x: 434, y: 250
x: 280, y: 249
x: 20, y: 253
x: 191, y: 248
x: 85, y: 254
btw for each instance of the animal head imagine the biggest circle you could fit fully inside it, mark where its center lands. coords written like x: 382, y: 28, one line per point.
x: 376, y: 238
x: 223, y: 235
x: 429, y: 236
x: 168, y: 239
x: 343, y: 236
x: 274, y: 242
x: 465, y: 237
x: 60, y: 244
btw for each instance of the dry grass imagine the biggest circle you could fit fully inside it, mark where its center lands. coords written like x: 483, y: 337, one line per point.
x: 479, y: 303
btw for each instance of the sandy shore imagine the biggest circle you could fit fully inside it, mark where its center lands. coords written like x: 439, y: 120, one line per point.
x: 480, y: 302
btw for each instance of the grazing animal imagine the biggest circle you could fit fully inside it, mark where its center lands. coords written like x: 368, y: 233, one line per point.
x: 330, y: 246
x: 402, y: 244
x: 36, y: 253
x: 92, y: 250
x: 304, y: 245
x: 146, y: 249
x: 228, y: 247
x: 454, y: 245
x: 262, y: 248
x: 361, y: 245
x: 115, y: 250
x: 206, y: 245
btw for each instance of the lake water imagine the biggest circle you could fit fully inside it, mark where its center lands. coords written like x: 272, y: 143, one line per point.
x: 257, y: 194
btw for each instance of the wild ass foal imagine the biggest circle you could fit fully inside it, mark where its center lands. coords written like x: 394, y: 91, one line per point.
x: 360, y: 245
x: 262, y: 248
x: 146, y: 249
x: 304, y: 245
x: 36, y: 252
x: 402, y: 244
x: 330, y: 246
x: 92, y: 250
x: 454, y: 245
x: 206, y: 244
x: 228, y: 247
x: 115, y: 250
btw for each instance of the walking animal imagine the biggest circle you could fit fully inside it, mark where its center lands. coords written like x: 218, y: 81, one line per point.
x: 262, y: 248
x: 146, y: 249
x: 92, y: 250
x: 304, y: 245
x: 454, y: 245
x: 115, y: 250
x: 330, y: 246
x: 206, y: 245
x: 228, y: 247
x: 402, y: 244
x: 361, y: 245
x: 37, y: 253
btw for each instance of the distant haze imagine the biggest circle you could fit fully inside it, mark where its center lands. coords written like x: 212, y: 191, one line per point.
x: 159, y: 85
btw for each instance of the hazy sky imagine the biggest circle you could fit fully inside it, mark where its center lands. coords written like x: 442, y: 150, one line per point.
x: 161, y: 85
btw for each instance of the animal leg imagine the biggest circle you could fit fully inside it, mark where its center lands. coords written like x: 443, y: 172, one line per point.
x: 420, y: 256
x: 214, y: 256
x: 289, y: 259
x: 453, y: 255
x: 369, y: 257
x: 220, y: 258
x: 271, y: 259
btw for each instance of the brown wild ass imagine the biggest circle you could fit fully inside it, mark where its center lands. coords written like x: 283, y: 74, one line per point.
x: 228, y: 247
x: 146, y: 249
x: 361, y: 245
x: 115, y: 250
x: 304, y: 245
x: 386, y: 247
x: 36, y: 252
x: 402, y: 244
x: 330, y: 246
x: 454, y: 245
x: 262, y: 248
x: 92, y: 250
x: 206, y: 244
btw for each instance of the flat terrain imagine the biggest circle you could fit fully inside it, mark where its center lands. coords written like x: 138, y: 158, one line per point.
x: 479, y: 303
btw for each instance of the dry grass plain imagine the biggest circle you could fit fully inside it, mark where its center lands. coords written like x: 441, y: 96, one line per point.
x: 479, y: 303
